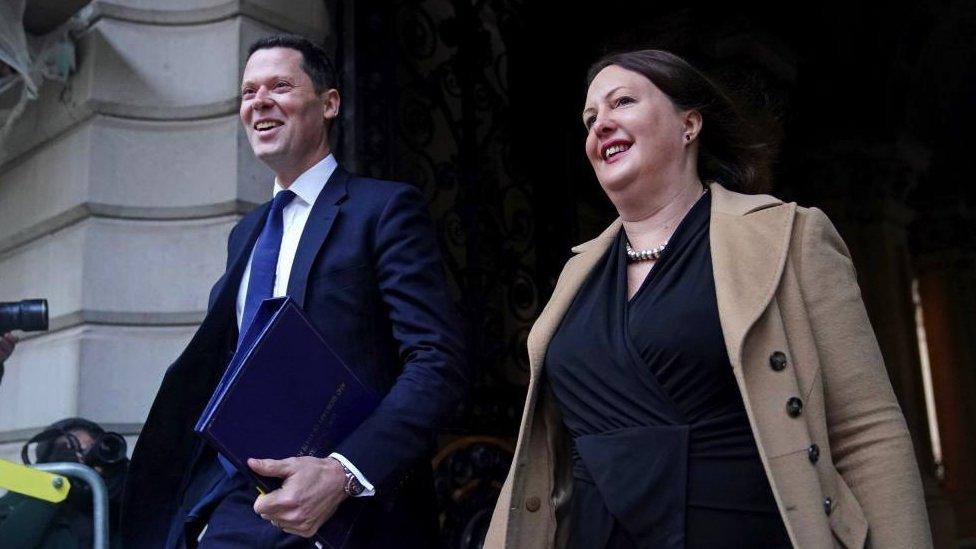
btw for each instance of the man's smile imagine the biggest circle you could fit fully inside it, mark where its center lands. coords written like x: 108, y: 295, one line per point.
x: 267, y: 124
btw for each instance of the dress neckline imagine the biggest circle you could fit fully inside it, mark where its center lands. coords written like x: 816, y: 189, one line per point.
x: 677, y: 242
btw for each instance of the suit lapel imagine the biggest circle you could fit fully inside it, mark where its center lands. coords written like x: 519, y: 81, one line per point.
x: 317, y: 229
x: 749, y: 239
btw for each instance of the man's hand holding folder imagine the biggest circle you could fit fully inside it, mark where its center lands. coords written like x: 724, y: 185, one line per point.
x: 311, y: 491
x: 310, y: 400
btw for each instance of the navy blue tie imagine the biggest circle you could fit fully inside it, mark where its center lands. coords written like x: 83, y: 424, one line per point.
x: 264, y: 264
x: 264, y: 261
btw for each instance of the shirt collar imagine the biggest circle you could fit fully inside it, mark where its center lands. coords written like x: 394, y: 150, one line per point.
x: 308, y: 185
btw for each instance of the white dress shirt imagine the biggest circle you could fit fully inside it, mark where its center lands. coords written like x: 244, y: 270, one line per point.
x: 306, y: 188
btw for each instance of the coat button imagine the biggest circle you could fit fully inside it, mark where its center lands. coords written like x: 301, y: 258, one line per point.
x: 794, y: 407
x: 532, y: 504
x: 828, y: 506
x: 813, y: 452
x: 777, y: 361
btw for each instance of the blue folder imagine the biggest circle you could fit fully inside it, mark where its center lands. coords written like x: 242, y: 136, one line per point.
x: 285, y: 393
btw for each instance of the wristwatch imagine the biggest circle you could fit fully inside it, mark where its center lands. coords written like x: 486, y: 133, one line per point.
x: 352, y: 487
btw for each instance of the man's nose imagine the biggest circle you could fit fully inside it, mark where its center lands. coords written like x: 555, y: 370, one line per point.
x: 262, y: 98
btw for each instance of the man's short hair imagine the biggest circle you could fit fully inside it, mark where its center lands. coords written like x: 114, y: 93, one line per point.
x: 315, y: 62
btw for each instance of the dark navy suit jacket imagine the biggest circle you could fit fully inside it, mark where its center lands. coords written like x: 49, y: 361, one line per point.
x: 368, y: 274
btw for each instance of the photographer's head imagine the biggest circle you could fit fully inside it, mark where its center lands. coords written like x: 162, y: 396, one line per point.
x: 82, y: 441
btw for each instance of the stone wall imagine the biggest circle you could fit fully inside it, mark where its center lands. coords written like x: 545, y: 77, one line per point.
x: 117, y: 192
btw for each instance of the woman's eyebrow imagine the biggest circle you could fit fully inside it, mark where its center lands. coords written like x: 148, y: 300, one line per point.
x: 606, y: 95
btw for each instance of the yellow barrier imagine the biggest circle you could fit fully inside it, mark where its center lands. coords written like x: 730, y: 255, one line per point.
x: 31, y: 482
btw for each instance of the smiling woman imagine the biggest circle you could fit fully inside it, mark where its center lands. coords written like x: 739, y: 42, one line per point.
x: 732, y: 150
x: 705, y: 374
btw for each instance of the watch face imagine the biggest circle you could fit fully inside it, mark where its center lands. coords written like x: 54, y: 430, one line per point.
x: 355, y: 487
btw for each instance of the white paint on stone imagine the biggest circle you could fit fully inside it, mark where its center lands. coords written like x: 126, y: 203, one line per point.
x: 51, y: 267
x: 120, y: 265
x: 157, y: 266
x: 150, y: 164
x: 168, y: 6
x: 49, y: 182
x: 11, y: 452
x: 144, y: 169
x: 108, y: 374
x: 40, y: 384
x: 164, y: 66
x: 301, y: 16
x: 121, y: 368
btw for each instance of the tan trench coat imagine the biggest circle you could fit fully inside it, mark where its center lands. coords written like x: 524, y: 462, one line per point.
x: 784, y: 282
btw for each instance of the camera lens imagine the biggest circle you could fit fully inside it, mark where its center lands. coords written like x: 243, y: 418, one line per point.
x: 109, y: 449
x: 28, y: 315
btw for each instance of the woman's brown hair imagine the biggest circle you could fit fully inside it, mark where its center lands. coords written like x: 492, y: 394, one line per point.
x: 731, y: 149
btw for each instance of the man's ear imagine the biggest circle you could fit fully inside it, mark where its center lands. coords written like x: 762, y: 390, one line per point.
x: 330, y: 106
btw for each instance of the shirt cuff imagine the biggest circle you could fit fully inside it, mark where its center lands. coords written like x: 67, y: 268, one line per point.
x: 369, y: 491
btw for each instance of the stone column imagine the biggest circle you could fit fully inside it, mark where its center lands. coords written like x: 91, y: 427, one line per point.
x: 117, y: 192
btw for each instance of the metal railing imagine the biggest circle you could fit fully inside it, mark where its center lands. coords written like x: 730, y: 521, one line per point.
x: 99, y: 495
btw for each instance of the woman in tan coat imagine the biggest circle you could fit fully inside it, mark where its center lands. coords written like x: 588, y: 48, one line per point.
x: 704, y: 374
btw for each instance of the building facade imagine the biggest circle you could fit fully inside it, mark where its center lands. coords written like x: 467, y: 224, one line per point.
x: 119, y: 186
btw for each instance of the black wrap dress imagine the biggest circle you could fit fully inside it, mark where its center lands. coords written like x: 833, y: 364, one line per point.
x: 663, y: 455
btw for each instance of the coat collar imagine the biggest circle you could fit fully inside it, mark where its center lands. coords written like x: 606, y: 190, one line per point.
x: 749, y: 240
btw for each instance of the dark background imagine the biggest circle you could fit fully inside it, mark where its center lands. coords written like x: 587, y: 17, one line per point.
x: 871, y: 104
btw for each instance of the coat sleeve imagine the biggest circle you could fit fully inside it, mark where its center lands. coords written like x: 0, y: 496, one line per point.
x: 435, y: 374
x: 869, y: 438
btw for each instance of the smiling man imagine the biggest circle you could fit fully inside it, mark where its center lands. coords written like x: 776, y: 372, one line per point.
x: 360, y: 257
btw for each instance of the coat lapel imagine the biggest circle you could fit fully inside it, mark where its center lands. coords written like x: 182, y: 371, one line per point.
x: 578, y: 268
x: 749, y: 239
x: 317, y: 229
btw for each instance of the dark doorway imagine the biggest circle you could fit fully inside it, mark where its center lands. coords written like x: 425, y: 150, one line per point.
x: 478, y: 102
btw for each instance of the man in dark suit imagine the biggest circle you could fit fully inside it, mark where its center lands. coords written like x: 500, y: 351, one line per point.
x: 360, y: 257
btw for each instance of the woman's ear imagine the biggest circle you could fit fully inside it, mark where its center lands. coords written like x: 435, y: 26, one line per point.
x: 692, y: 122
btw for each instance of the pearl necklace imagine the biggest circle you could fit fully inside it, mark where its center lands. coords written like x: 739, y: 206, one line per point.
x: 644, y: 255
x: 652, y: 254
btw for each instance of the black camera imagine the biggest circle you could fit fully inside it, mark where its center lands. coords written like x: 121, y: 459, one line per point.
x: 29, y: 315
x: 108, y: 448
x: 106, y: 452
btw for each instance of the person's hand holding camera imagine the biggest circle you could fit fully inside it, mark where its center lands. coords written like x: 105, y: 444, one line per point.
x: 7, y: 344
